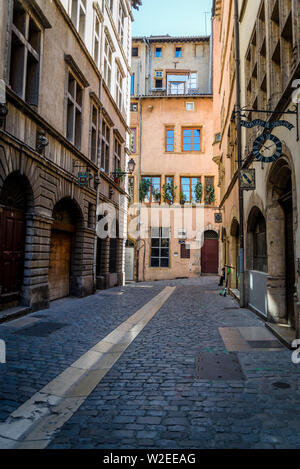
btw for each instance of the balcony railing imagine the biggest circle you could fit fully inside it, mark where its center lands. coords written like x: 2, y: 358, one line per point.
x: 186, y: 91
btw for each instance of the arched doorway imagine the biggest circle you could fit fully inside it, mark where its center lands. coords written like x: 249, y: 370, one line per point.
x: 235, y: 254
x: 64, y: 249
x: 281, y: 244
x: 257, y: 261
x: 16, y: 200
x: 210, y: 253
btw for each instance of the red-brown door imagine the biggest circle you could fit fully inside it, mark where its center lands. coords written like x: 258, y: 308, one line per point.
x: 59, y: 267
x: 209, y: 257
x: 12, y: 245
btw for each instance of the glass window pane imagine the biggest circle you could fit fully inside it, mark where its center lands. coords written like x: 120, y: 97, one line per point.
x: 155, y: 252
x: 154, y: 262
x: 187, y: 132
x: 196, y: 147
x: 155, y: 242
x: 164, y: 262
x: 196, y: 132
x: 186, y: 147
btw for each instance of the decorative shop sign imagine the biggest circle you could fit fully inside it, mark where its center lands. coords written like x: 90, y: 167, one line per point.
x: 267, y: 125
x: 83, y: 179
x: 218, y: 218
x: 247, y: 178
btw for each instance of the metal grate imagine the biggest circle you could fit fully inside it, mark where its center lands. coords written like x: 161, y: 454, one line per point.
x: 218, y: 366
x: 43, y: 329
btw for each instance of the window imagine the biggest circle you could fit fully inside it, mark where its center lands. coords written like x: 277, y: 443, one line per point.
x: 111, y: 5
x: 74, y: 110
x: 190, y: 106
x: 134, y: 107
x: 158, y: 84
x: 107, y: 63
x: 119, y: 89
x: 260, y: 262
x: 133, y: 140
x: 135, y: 52
x: 158, y: 74
x: 158, y: 52
x: 160, y: 247
x: 131, y: 188
x: 185, y: 83
x: 25, y: 55
x: 94, y: 133
x: 78, y: 14
x: 121, y: 22
x: 117, y: 155
x: 97, y: 41
x: 105, y: 147
x: 132, y: 85
x: 193, y: 81
x: 191, y: 140
x: 169, y: 139
x: 185, y: 251
x: 188, y: 186
x: 178, y: 52
x: 154, y: 189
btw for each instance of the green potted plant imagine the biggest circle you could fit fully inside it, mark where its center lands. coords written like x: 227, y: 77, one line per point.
x: 156, y: 196
x: 169, y: 193
x: 182, y: 198
x: 210, y: 195
x: 118, y: 176
x: 144, y: 187
x: 198, y: 192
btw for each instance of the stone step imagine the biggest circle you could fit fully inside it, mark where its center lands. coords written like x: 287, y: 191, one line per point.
x: 283, y: 332
x: 13, y: 313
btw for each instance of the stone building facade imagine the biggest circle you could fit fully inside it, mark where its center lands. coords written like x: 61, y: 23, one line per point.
x: 172, y: 131
x: 65, y: 68
x: 270, y: 73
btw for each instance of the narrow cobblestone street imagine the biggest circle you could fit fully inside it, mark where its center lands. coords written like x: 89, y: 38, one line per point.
x: 152, y: 397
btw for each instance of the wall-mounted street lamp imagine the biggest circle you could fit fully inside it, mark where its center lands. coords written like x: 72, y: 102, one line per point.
x: 3, y: 113
x: 130, y: 168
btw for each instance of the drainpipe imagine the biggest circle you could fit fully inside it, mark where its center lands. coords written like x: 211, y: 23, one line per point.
x: 210, y: 79
x: 239, y: 149
x: 138, y: 191
x: 98, y: 183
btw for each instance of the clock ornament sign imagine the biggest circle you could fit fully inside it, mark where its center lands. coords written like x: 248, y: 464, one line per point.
x: 267, y: 148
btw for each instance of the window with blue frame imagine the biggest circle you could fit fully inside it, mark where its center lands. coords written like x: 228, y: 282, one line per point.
x: 188, y: 186
x: 132, y: 84
x: 191, y: 140
x: 158, y: 52
x: 178, y: 52
x: 169, y: 140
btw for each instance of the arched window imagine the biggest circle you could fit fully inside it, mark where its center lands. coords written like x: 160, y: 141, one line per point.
x: 260, y: 259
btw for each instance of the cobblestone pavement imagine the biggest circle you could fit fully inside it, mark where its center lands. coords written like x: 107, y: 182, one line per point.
x: 152, y: 398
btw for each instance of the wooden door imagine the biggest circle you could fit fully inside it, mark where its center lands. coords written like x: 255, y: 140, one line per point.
x: 59, y: 267
x: 209, y: 256
x: 12, y: 245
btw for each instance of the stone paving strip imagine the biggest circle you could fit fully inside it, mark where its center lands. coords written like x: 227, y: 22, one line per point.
x: 33, y: 424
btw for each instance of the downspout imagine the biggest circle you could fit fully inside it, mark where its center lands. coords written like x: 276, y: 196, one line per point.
x: 138, y: 190
x: 97, y: 183
x: 210, y: 79
x: 239, y: 148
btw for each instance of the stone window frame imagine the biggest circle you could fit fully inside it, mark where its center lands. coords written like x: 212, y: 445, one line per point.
x: 105, y: 146
x: 77, y: 12
x: 20, y: 33
x: 159, y: 235
x: 74, y: 109
x: 97, y: 38
x: 121, y: 22
x: 119, y: 87
x: 94, y: 131
x: 107, y: 62
x: 117, y: 154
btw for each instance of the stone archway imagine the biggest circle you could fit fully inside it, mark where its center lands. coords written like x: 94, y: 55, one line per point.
x: 16, y: 202
x: 65, y: 249
x: 281, y: 244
